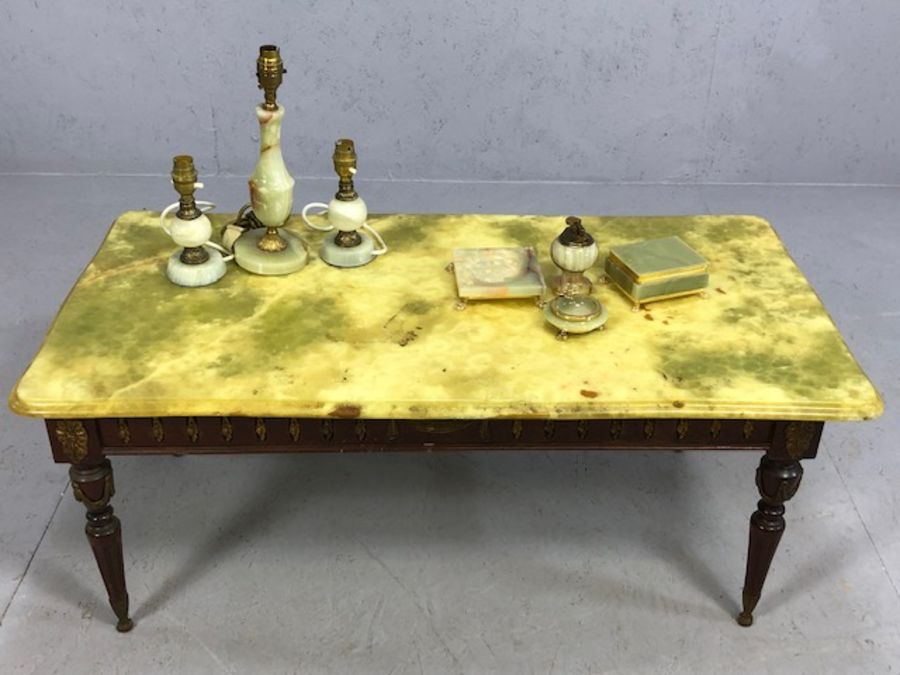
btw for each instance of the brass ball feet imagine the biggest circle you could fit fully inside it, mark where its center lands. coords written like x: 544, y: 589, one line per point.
x: 745, y: 619
x: 124, y: 625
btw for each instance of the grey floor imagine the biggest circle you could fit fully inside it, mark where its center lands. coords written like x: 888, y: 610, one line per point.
x: 508, y: 563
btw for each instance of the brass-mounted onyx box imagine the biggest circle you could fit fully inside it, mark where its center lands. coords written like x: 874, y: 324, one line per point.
x: 658, y: 269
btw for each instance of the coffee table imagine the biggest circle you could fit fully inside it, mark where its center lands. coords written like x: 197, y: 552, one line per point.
x: 379, y: 359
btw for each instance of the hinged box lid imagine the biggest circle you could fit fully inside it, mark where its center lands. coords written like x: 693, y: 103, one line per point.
x: 658, y: 259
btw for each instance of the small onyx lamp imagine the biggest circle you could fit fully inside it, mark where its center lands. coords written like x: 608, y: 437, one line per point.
x: 351, y: 240
x: 269, y: 251
x: 573, y: 310
x: 199, y: 262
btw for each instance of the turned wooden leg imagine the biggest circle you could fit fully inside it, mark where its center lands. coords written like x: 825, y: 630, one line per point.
x: 777, y: 481
x: 92, y: 485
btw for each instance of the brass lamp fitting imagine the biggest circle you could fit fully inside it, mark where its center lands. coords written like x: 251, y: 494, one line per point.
x: 184, y: 178
x: 344, y: 159
x: 269, y: 69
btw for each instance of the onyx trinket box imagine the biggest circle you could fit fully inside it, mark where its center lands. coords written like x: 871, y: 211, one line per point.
x: 657, y: 269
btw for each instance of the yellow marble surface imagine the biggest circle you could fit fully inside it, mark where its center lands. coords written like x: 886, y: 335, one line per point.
x: 384, y: 341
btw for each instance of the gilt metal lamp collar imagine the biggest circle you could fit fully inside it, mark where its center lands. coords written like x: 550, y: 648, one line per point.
x: 344, y: 159
x: 184, y: 178
x: 269, y: 69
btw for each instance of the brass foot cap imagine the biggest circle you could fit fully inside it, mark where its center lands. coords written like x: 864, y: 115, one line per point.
x: 124, y: 625
x: 745, y: 619
x: 271, y: 242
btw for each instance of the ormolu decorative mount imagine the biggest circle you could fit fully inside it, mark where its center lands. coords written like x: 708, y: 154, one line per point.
x: 73, y: 439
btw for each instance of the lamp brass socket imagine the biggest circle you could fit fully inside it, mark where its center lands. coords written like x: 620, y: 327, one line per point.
x: 184, y: 178
x: 344, y: 159
x: 269, y: 71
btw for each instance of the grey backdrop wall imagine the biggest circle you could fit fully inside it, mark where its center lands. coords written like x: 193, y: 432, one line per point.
x: 682, y: 91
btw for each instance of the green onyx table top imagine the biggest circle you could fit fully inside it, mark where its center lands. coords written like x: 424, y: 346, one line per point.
x: 385, y: 340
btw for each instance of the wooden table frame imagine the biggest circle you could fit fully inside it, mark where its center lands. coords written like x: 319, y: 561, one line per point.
x: 86, y: 443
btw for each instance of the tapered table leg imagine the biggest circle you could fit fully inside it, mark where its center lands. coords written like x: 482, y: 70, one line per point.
x: 777, y: 481
x: 92, y: 485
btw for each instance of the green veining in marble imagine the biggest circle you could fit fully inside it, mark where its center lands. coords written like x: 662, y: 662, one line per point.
x: 386, y: 341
